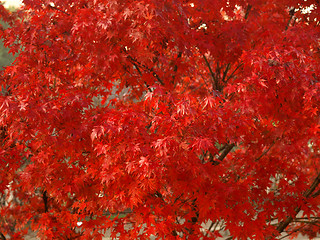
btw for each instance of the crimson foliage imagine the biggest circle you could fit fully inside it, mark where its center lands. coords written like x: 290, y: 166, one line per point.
x: 185, y: 112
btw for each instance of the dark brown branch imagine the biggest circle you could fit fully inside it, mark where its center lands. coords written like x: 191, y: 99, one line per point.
x: 223, y: 147
x: 265, y: 152
x: 45, y: 201
x: 209, y: 229
x: 215, y: 80
x: 178, y: 197
x: 175, y: 68
x: 316, y: 223
x: 57, y: 9
x: 232, y: 74
x: 312, y: 187
x: 283, y: 225
x: 2, y: 237
x: 227, y: 149
x: 247, y: 11
x: 139, y: 71
x: 136, y: 63
x: 315, y: 218
x: 291, y: 12
x: 316, y: 194
x: 212, y: 227
x: 296, y: 230
x: 156, y: 76
x: 136, y: 66
x: 225, y: 72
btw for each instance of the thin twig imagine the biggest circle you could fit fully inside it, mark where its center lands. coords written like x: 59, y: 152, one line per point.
x: 291, y: 12
x: 225, y: 72
x: 296, y: 230
x: 135, y: 63
x: 283, y: 225
x: 139, y: 71
x: 57, y: 9
x: 313, y: 186
x: 175, y: 68
x: 265, y: 152
x: 307, y: 222
x: 215, y: 227
x: 247, y: 11
x: 307, y: 218
x: 215, y: 80
x: 209, y: 229
x: 232, y: 74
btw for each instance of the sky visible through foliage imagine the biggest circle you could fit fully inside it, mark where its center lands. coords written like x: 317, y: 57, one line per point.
x: 13, y: 3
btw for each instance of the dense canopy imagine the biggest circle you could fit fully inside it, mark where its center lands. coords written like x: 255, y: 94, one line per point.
x: 185, y: 112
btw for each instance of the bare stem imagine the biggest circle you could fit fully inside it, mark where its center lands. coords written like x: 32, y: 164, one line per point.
x: 283, y: 225
x: 213, y: 75
x: 45, y: 201
x: 2, y: 237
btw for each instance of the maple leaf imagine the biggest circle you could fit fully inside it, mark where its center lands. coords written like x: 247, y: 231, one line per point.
x: 97, y: 132
x: 209, y: 101
x: 203, y: 144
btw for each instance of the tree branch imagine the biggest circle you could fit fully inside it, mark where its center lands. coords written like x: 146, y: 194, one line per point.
x: 265, y: 152
x: 313, y: 186
x: 225, y: 72
x: 209, y: 229
x: 135, y: 63
x: 291, y: 12
x: 57, y: 9
x: 215, y: 80
x: 283, y: 225
x: 139, y: 71
x: 316, y: 194
x: 227, y: 149
x: 247, y: 11
x: 232, y: 74
x: 212, y: 227
x: 175, y: 68
x: 2, y: 237
x: 296, y: 230
x: 45, y: 201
